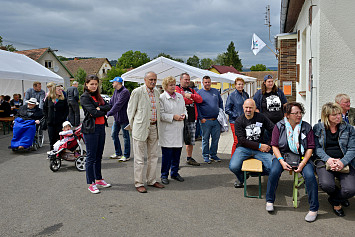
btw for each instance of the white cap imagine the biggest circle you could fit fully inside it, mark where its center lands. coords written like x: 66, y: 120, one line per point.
x: 32, y: 101
x: 67, y: 123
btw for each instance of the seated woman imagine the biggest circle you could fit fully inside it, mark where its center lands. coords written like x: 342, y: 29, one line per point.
x: 5, y: 107
x: 335, y: 146
x: 292, y: 134
x: 25, y: 124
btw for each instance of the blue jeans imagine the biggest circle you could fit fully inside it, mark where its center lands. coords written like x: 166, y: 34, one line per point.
x: 241, y: 154
x: 211, y: 128
x: 309, y: 178
x: 95, y: 143
x: 170, y: 160
x: 198, y: 129
x: 116, y: 127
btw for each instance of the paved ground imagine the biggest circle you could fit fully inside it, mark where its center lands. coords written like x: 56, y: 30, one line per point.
x: 37, y: 202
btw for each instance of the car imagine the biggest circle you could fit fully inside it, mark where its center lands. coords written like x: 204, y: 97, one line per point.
x: 106, y: 98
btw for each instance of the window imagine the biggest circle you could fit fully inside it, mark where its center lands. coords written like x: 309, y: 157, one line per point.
x: 103, y: 71
x: 48, y: 64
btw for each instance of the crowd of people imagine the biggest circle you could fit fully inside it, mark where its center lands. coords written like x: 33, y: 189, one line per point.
x: 265, y: 127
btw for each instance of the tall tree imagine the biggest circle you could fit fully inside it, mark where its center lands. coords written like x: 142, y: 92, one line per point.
x: 193, y: 61
x: 232, y: 57
x: 170, y: 57
x: 80, y: 77
x: 8, y: 47
x: 206, y: 63
x: 220, y: 60
x: 259, y: 67
x: 132, y: 59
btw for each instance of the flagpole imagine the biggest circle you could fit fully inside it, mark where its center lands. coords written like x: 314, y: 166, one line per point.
x: 271, y: 50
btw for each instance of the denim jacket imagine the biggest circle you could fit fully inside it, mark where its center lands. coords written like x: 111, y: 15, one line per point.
x: 234, y: 104
x: 346, y: 142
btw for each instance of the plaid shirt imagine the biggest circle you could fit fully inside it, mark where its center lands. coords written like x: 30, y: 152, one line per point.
x: 154, y: 104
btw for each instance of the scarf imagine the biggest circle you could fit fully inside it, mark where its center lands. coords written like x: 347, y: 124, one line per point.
x: 293, y: 136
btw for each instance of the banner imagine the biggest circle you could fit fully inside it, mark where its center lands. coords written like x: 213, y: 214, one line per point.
x: 256, y: 44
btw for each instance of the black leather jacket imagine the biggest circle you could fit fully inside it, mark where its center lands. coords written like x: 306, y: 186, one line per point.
x: 89, y: 106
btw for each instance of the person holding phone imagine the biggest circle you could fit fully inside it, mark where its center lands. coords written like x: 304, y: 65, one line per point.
x: 173, y: 113
x: 291, y: 134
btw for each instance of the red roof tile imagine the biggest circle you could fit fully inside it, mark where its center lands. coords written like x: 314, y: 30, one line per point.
x: 225, y: 69
x: 34, y: 54
x: 91, y: 66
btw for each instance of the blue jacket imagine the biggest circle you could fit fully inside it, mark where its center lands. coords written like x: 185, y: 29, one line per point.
x: 119, y: 104
x: 258, y: 98
x: 346, y: 142
x: 212, y: 101
x: 234, y: 104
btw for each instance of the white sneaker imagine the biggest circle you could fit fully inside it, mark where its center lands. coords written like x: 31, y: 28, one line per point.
x: 114, y: 156
x: 311, y: 216
x: 93, y: 189
x: 269, y: 207
x: 124, y: 159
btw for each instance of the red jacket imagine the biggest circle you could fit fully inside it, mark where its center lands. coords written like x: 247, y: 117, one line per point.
x: 194, y: 96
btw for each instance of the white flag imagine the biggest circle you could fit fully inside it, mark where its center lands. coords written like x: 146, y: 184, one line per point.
x: 256, y: 44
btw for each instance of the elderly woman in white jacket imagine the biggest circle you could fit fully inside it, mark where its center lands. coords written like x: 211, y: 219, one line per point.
x: 173, y: 112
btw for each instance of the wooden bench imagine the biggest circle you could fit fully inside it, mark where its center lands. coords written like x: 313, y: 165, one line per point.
x: 6, y: 123
x: 252, y: 166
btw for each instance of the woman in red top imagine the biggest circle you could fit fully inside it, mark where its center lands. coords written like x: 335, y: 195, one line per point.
x: 93, y: 127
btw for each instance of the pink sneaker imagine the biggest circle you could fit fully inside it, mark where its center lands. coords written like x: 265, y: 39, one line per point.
x: 94, y: 189
x: 103, y: 183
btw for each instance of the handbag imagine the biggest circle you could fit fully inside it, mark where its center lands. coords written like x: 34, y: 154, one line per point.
x: 292, y: 159
x: 186, y: 133
x: 344, y: 170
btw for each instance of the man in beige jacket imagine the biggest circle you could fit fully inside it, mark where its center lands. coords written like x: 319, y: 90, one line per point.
x: 144, y: 117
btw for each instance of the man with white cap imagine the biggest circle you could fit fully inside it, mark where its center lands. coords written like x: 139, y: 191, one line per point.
x: 30, y: 111
x: 119, y: 103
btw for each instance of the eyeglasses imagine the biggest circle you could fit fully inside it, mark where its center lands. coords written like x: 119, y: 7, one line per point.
x: 297, y: 113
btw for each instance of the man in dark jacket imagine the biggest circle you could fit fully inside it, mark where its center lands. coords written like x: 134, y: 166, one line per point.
x: 119, y: 103
x: 73, y: 103
x: 250, y: 129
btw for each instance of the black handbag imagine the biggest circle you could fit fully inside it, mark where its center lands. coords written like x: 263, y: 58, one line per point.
x: 186, y: 134
x: 294, y: 159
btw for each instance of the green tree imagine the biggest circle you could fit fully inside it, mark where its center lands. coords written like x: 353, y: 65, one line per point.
x: 80, y: 76
x: 8, y: 47
x: 170, y: 57
x: 232, y: 58
x: 132, y: 59
x: 206, y: 63
x: 62, y: 58
x: 221, y: 58
x: 259, y: 67
x: 106, y: 84
x: 193, y: 61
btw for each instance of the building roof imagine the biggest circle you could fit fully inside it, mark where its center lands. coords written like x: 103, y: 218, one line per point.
x: 91, y: 66
x: 290, y: 10
x: 34, y: 54
x: 225, y: 69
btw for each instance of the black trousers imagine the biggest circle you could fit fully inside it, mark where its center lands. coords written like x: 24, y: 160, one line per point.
x: 326, y: 180
x: 53, y: 133
x: 74, y: 113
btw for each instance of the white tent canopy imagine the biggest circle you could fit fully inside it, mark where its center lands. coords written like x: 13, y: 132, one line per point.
x: 165, y: 67
x: 18, y: 72
x: 232, y: 76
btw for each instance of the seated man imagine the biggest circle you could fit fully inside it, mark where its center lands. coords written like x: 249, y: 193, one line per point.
x: 16, y: 103
x: 25, y: 124
x: 249, y: 129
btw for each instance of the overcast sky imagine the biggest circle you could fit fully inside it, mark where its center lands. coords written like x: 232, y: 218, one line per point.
x: 181, y: 28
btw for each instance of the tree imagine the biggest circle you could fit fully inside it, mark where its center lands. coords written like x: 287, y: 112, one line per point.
x: 80, y: 76
x: 259, y: 67
x: 170, y: 57
x: 132, y: 59
x: 232, y: 58
x: 193, y: 61
x: 221, y: 58
x: 106, y: 84
x: 206, y: 63
x: 8, y: 47
x: 62, y: 58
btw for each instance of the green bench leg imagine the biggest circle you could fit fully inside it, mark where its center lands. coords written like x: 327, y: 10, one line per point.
x: 297, y: 182
x: 245, y: 186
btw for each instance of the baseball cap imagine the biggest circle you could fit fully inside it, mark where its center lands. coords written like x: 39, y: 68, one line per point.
x: 66, y: 123
x: 118, y: 79
x: 267, y: 77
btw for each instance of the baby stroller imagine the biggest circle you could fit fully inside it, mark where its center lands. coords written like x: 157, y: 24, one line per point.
x: 22, y: 136
x: 72, y: 150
